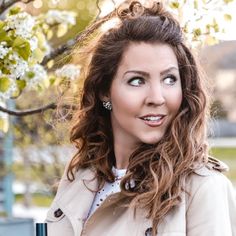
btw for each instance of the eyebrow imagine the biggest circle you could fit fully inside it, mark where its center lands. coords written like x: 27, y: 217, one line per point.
x: 172, y: 68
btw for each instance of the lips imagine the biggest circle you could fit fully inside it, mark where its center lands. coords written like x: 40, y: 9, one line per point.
x: 153, y: 120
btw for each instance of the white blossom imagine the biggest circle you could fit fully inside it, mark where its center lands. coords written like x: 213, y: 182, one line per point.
x: 46, y: 47
x: 3, y: 115
x: 69, y: 71
x: 3, y: 49
x: 60, y: 17
x: 33, y: 43
x: 38, y: 76
x: 55, y: 2
x: 22, y: 23
x: 16, y: 65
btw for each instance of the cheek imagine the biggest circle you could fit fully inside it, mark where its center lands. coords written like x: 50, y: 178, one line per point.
x: 124, y: 108
x: 175, y: 101
x: 124, y: 101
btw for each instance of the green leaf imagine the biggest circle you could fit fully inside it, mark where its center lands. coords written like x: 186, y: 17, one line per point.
x: 30, y: 74
x: 62, y: 30
x: 215, y: 26
x: 52, y: 80
x: 6, y: 71
x: 174, y: 4
x: 197, y: 32
x: 19, y: 42
x: 21, y: 84
x: 41, y: 38
x: 208, y: 27
x: 2, y: 24
x: 46, y: 84
x: 50, y: 64
x: 4, y: 84
x: 228, y: 1
x: 195, y: 4
x: 14, y: 10
x: 49, y: 34
x: 4, y: 36
x: 38, y: 54
x: 22, y: 46
x: 4, y: 125
x: 185, y: 28
x: 16, y: 93
x: 227, y: 17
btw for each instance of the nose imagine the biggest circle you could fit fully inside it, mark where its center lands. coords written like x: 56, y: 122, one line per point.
x: 155, y: 95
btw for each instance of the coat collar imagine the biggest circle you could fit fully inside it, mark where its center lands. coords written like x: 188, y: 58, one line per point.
x: 205, y: 169
x: 77, y: 197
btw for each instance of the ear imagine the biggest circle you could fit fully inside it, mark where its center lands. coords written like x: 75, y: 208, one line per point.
x: 105, y: 98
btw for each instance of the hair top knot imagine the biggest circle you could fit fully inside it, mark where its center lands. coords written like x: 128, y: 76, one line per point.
x: 130, y: 11
x: 135, y: 9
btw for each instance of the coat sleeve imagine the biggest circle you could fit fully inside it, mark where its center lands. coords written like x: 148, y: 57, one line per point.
x: 64, y: 182
x: 212, y: 207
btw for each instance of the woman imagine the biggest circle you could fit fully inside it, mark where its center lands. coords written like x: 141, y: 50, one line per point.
x: 142, y: 166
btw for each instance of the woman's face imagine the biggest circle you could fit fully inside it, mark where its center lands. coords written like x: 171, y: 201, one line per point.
x: 145, y: 94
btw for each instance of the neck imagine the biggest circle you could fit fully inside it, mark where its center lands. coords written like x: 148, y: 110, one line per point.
x: 124, y: 145
x: 122, y: 153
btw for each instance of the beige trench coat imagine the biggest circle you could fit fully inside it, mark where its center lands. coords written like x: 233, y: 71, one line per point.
x: 210, y: 210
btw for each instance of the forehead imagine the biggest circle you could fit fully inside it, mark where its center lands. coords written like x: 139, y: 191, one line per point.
x: 147, y: 55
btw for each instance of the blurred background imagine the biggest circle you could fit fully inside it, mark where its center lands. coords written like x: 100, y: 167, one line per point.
x: 34, y: 150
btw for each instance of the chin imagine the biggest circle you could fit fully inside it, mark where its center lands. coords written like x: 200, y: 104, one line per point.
x: 152, y: 141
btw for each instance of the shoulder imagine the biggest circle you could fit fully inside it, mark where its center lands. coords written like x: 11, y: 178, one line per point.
x: 209, y: 179
x: 208, y: 176
x: 210, y: 202
x: 212, y: 164
x: 87, y: 174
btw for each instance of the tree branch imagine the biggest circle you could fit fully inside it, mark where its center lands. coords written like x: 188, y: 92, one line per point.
x: 113, y: 1
x: 56, y: 52
x: 5, y: 5
x: 29, y: 111
x: 99, y: 9
x: 80, y: 37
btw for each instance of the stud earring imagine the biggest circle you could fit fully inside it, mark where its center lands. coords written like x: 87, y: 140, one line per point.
x: 107, y: 105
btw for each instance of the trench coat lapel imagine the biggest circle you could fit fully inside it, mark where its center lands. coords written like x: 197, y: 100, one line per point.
x: 76, y: 200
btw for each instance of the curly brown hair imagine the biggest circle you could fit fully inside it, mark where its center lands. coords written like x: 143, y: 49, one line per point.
x: 159, y: 170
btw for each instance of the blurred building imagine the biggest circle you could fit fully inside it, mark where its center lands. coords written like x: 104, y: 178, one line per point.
x: 220, y: 64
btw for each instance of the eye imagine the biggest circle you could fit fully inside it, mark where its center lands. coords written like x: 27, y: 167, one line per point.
x: 170, y: 80
x: 136, y: 81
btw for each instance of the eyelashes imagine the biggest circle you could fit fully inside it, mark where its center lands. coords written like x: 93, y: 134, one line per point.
x: 170, y: 80
x: 138, y: 80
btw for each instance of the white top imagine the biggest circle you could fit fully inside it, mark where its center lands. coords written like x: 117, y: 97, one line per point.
x: 108, y: 189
